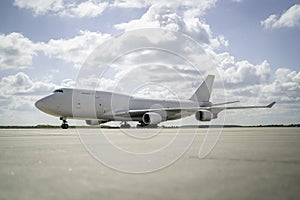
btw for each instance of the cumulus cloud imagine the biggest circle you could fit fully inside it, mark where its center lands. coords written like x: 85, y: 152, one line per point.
x: 156, y: 16
x: 201, y: 5
x: 85, y: 9
x: 290, y: 18
x: 242, y: 73
x: 174, y: 18
x: 285, y: 88
x: 130, y: 3
x: 89, y: 8
x: 16, y: 51
x: 20, y: 84
x: 243, y: 79
x: 39, y: 7
x: 171, y: 56
x: 94, y: 8
x: 19, y: 92
x: 74, y: 50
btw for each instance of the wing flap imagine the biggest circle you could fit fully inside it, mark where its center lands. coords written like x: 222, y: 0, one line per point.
x: 230, y: 102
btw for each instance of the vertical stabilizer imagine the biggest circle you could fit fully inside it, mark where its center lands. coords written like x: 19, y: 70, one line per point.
x: 204, y: 91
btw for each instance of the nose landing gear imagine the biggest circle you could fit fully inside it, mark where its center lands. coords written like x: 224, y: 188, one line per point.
x: 64, y: 124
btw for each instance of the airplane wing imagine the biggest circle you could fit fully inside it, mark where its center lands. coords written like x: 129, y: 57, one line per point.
x: 230, y: 102
x: 215, y: 110
x: 246, y: 107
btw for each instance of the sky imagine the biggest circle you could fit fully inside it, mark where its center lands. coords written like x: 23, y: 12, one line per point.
x: 253, y: 48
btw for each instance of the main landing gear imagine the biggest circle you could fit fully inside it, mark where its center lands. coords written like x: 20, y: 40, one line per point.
x: 143, y: 125
x: 64, y: 124
x: 125, y: 125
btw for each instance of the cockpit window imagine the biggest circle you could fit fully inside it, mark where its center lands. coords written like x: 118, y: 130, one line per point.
x: 59, y: 90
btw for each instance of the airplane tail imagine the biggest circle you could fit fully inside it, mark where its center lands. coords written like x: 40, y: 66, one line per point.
x: 204, y: 91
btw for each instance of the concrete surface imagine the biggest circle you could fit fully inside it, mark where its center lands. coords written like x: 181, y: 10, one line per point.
x: 247, y: 163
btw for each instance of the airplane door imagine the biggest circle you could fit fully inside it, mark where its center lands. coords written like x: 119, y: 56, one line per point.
x: 77, y: 104
x: 99, y: 107
x: 83, y: 104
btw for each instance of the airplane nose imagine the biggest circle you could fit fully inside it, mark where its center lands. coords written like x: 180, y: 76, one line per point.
x: 47, y: 105
x: 39, y: 104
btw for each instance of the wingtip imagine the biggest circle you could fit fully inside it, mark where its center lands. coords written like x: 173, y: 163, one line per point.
x: 271, y: 104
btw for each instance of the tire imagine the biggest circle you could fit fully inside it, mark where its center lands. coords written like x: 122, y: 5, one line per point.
x: 64, y: 126
x: 125, y: 126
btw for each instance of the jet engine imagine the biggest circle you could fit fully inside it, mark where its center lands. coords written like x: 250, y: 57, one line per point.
x: 151, y: 118
x: 204, y: 115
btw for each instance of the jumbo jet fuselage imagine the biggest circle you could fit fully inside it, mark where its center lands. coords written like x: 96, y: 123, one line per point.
x: 98, y: 107
x: 105, y: 106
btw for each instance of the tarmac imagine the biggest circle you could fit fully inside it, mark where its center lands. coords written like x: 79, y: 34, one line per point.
x: 246, y: 163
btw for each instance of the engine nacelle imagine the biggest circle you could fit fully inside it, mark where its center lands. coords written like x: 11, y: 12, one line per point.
x: 95, y: 122
x: 204, y: 115
x: 151, y: 118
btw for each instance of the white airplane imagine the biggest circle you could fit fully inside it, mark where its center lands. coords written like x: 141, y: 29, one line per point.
x: 97, y: 107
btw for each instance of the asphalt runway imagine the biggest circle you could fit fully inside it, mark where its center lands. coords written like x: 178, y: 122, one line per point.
x: 246, y: 163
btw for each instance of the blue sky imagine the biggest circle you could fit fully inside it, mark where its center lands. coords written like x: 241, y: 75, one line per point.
x: 255, y: 44
x: 240, y: 24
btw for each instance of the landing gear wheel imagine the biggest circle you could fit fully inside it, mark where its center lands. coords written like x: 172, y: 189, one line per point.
x: 64, y: 124
x: 143, y: 125
x: 125, y: 125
